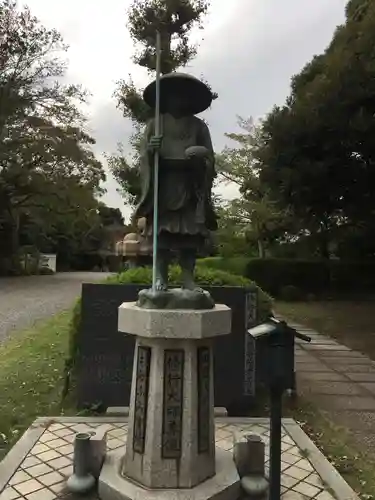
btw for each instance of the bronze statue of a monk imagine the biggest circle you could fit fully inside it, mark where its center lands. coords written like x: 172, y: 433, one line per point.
x: 186, y: 173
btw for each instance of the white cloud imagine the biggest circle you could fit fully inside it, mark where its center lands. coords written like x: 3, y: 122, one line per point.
x: 249, y: 51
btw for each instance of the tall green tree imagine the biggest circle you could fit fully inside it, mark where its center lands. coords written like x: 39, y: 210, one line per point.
x: 125, y: 169
x: 231, y: 237
x: 317, y: 152
x: 255, y: 211
x: 63, y: 225
x: 44, y: 150
x: 110, y: 216
x: 174, y: 19
x: 73, y: 227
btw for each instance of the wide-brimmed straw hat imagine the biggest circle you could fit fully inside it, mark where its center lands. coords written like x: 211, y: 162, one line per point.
x: 197, y: 94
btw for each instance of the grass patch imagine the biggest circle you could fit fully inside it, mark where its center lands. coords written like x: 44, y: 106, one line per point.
x: 348, y: 321
x: 355, y: 466
x: 32, y: 376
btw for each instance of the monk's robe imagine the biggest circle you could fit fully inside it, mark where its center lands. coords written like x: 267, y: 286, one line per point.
x: 185, y: 211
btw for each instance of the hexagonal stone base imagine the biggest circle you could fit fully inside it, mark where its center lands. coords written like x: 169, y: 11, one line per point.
x: 174, y: 324
x: 225, y: 485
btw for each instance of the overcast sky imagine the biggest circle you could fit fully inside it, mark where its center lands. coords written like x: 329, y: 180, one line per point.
x: 250, y: 50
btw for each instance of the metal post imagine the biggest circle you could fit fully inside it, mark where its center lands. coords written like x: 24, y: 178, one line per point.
x: 156, y: 163
x: 275, y: 443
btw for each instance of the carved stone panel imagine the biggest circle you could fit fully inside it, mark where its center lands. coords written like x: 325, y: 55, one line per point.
x: 250, y: 321
x: 103, y: 367
x: 141, y: 398
x: 203, y: 362
x: 174, y: 360
x: 251, y: 309
x: 250, y: 360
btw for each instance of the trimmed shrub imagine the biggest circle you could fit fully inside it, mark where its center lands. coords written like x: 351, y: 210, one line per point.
x: 74, y: 327
x: 204, y: 277
x: 356, y: 276
x: 290, y: 293
x: 312, y: 276
x: 274, y: 274
x: 234, y: 265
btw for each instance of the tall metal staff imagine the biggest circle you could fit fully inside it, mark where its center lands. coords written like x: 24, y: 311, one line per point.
x: 156, y: 162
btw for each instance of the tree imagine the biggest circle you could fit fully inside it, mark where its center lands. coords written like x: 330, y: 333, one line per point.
x: 316, y: 152
x: 110, y: 216
x: 356, y: 10
x: 255, y: 211
x: 295, y: 179
x: 77, y: 227
x: 125, y: 170
x: 174, y: 19
x: 44, y: 150
x: 64, y: 225
x: 230, y: 238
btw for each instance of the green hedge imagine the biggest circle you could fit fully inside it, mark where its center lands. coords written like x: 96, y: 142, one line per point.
x: 143, y: 276
x: 204, y: 276
x: 316, y: 277
x: 320, y: 277
x: 234, y: 265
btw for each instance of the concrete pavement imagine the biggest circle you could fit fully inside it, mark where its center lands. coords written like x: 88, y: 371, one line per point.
x: 341, y: 382
x: 26, y: 299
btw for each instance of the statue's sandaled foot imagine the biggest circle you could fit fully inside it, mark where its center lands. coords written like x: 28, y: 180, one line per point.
x: 161, y: 286
x: 191, y: 286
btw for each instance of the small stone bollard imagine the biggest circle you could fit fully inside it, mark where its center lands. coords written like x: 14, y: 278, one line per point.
x: 82, y: 480
x: 248, y: 456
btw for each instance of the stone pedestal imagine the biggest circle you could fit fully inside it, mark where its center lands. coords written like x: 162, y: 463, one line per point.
x: 171, y: 442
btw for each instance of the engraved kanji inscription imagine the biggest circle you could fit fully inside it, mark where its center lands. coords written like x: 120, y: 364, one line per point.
x: 251, y: 311
x: 250, y: 359
x: 141, y: 398
x: 203, y: 361
x: 173, y: 401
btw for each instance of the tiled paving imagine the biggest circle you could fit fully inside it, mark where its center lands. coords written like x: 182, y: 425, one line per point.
x: 341, y: 382
x: 43, y: 471
x: 325, y: 360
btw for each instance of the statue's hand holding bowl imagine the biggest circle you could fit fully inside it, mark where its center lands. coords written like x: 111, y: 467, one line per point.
x: 154, y: 144
x: 196, y: 152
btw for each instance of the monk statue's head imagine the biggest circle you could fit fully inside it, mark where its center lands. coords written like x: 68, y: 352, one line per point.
x: 177, y: 105
x: 180, y: 95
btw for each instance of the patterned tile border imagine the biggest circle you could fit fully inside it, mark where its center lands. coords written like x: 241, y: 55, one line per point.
x: 326, y: 471
x: 29, y: 473
x: 20, y: 450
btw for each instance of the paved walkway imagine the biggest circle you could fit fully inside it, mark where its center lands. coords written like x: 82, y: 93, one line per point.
x: 38, y: 465
x: 26, y: 299
x: 341, y: 382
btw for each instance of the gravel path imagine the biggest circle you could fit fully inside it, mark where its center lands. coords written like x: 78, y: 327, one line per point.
x: 25, y: 300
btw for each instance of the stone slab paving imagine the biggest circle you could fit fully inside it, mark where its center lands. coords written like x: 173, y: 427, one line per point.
x: 38, y: 465
x: 341, y: 381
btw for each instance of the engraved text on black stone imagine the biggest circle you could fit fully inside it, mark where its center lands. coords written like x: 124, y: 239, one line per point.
x: 141, y: 398
x: 173, y: 402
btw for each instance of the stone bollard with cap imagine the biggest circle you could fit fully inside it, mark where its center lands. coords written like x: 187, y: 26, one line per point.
x: 89, y: 455
x: 248, y: 455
